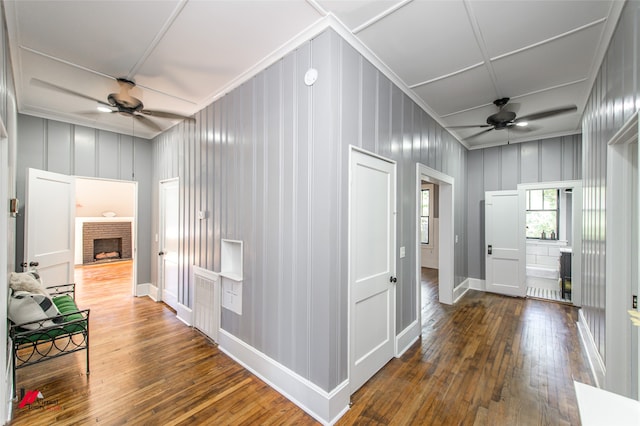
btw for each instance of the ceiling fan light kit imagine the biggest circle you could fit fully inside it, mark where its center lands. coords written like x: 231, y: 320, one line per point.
x: 121, y: 102
x: 507, y: 119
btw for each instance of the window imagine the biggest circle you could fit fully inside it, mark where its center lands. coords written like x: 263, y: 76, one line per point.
x: 424, y: 216
x: 542, y: 213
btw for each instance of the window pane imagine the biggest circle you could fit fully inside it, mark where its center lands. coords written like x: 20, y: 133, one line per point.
x: 536, y: 199
x: 550, y: 199
x: 424, y: 229
x: 537, y: 222
x: 425, y: 202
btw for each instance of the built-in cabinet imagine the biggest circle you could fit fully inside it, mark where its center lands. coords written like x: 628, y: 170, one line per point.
x: 231, y: 275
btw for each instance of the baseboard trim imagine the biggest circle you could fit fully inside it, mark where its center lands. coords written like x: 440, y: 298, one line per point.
x: 153, y: 293
x: 476, y: 284
x: 184, y: 314
x: 407, y: 337
x: 460, y: 290
x: 143, y: 289
x: 326, y: 407
x: 598, y: 370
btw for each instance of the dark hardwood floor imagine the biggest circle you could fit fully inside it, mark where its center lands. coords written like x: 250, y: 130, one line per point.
x: 488, y: 360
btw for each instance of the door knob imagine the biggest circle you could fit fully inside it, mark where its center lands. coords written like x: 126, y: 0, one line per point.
x: 393, y: 279
x: 161, y: 253
x: 34, y: 264
x: 489, y: 249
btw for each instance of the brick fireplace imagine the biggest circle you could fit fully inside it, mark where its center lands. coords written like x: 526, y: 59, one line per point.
x: 106, y: 241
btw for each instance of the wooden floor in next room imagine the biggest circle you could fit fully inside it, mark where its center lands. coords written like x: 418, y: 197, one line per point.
x: 488, y: 360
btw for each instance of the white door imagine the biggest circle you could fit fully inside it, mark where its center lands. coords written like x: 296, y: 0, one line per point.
x: 504, y: 243
x: 169, y: 242
x: 372, y: 266
x: 49, y: 226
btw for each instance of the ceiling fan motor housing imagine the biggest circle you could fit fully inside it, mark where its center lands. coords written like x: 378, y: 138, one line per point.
x: 501, y: 119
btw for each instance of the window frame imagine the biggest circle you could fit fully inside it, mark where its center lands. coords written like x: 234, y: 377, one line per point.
x: 429, y: 216
x: 556, y: 210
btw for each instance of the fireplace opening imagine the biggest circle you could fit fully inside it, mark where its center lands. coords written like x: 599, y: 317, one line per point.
x: 105, y: 249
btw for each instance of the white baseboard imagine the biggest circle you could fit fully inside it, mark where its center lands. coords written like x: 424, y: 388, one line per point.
x: 326, y: 407
x: 598, y: 370
x: 477, y: 284
x: 407, y: 337
x: 153, y: 292
x: 143, y: 289
x: 460, y: 290
x: 184, y: 314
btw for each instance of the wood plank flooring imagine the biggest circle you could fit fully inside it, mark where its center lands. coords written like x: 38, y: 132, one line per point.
x: 489, y: 360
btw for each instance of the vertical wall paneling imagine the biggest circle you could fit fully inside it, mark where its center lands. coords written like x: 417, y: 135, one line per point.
x: 276, y: 173
x: 613, y: 100
x: 84, y: 151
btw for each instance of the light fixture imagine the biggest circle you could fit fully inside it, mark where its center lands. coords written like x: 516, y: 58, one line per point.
x: 103, y: 108
x: 522, y: 123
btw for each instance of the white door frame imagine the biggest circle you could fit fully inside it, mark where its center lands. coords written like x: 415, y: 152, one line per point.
x: 446, y: 246
x: 618, y: 328
x: 576, y: 231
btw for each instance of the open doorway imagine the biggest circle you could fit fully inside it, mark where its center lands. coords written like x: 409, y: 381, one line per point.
x: 444, y: 256
x: 429, y: 242
x: 553, y: 216
x: 106, y: 224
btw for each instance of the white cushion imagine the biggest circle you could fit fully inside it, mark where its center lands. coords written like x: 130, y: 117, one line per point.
x: 27, y: 307
x: 27, y: 281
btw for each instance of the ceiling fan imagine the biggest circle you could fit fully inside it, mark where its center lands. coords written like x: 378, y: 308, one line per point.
x: 121, y: 102
x: 505, y: 118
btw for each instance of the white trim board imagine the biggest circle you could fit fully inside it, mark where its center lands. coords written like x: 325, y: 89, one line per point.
x: 326, y: 407
x: 595, y: 361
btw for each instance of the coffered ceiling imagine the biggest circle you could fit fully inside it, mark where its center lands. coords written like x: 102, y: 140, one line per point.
x: 455, y: 57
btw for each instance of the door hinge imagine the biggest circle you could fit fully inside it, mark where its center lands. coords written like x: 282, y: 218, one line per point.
x: 634, y: 301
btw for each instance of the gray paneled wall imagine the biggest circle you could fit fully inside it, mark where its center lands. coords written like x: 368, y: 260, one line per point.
x: 614, y: 99
x: 503, y: 168
x: 81, y: 151
x: 269, y: 163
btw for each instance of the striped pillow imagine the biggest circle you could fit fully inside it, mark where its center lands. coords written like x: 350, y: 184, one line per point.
x: 27, y: 307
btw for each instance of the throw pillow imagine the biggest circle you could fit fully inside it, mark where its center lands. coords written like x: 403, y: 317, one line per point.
x: 27, y: 281
x: 27, y: 307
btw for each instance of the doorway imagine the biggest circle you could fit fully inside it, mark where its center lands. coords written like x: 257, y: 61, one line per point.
x: 106, y: 209
x: 553, y: 240
x: 429, y: 240
x: 372, y: 265
x: 622, y: 234
x: 444, y: 251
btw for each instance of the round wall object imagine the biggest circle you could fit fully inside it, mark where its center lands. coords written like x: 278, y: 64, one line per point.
x: 310, y: 76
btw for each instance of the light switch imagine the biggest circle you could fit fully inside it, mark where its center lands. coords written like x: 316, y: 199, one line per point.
x: 402, y: 252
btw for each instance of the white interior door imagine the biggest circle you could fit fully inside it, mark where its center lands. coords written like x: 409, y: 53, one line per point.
x: 505, y: 240
x: 372, y: 266
x: 50, y: 225
x: 169, y: 214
